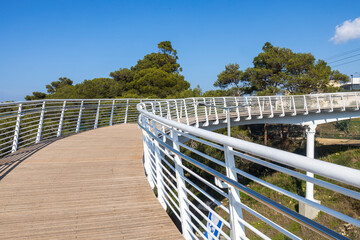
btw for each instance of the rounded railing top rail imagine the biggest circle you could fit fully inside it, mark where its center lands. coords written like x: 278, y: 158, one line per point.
x: 151, y: 99
x: 330, y: 170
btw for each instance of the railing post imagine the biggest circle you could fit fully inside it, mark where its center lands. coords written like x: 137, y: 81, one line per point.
x: 38, y: 135
x: 196, y: 113
x: 343, y: 102
x: 112, y: 113
x: 17, y: 130
x: 184, y: 207
x: 177, y: 111
x: 260, y: 111
x: 97, y: 115
x: 237, y: 110
x: 237, y: 230
x: 271, y: 108
x: 206, y: 114
x: 159, y: 177
x: 248, y: 108
x: 282, y: 107
x: 147, y: 160
x: 186, y: 113
x: 293, y: 101
x: 79, y: 117
x: 61, y: 120
x: 168, y: 110
x: 305, y: 106
x: 263, y: 104
x: 224, y: 111
x: 331, y: 103
x: 126, y: 111
x: 357, y: 101
x: 318, y: 104
x: 216, y: 113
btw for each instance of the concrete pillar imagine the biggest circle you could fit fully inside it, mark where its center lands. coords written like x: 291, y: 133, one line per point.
x: 304, y: 209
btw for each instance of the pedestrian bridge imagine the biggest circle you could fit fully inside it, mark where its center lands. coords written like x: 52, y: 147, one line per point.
x: 56, y: 184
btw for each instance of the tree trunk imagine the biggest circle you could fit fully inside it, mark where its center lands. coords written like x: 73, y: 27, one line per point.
x: 249, y: 129
x: 281, y: 131
x: 265, y: 134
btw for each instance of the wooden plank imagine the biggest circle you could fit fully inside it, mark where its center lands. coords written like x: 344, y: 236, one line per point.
x: 86, y: 186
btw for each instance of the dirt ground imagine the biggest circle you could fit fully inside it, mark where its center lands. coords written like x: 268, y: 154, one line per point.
x: 335, y: 141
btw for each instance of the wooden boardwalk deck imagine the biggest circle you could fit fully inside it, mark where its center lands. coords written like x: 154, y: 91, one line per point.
x: 86, y: 186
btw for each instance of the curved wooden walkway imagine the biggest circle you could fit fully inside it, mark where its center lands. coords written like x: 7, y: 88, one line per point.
x: 87, y: 186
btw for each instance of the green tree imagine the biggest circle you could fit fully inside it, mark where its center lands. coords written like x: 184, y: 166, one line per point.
x: 36, y: 96
x: 232, y: 76
x: 54, y: 86
x: 279, y: 70
x: 157, y: 75
x: 154, y: 82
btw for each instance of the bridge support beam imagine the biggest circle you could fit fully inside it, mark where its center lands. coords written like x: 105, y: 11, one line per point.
x: 304, y: 209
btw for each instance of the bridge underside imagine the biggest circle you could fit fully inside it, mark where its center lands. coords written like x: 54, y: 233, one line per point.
x: 300, y: 118
x: 87, y: 186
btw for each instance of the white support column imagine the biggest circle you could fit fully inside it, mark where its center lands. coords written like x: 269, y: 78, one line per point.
x: 237, y: 230
x: 310, y: 148
x: 159, y: 177
x: 79, y: 117
x: 97, y: 115
x: 182, y: 195
x: 304, y: 209
x: 61, y: 120
x: 17, y: 130
x: 126, y: 111
x: 41, y: 120
x: 112, y: 113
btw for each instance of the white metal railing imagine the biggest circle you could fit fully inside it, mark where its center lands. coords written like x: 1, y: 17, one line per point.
x: 193, y: 182
x: 28, y: 122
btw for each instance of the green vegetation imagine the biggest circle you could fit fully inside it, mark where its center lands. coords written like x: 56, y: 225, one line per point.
x: 276, y: 71
x: 343, y: 155
x: 281, y: 71
x: 157, y: 75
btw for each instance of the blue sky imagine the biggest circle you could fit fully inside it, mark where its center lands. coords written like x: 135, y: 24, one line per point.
x: 41, y: 41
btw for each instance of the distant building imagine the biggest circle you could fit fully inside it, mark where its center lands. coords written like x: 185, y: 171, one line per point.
x: 352, y: 85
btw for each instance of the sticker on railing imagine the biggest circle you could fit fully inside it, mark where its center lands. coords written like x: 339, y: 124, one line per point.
x: 210, y: 227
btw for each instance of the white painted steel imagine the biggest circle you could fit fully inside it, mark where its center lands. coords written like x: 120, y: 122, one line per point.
x: 167, y: 127
x: 205, y: 111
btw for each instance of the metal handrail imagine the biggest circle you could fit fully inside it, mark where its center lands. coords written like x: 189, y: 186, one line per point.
x: 161, y: 122
x: 328, y: 233
x: 165, y: 121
